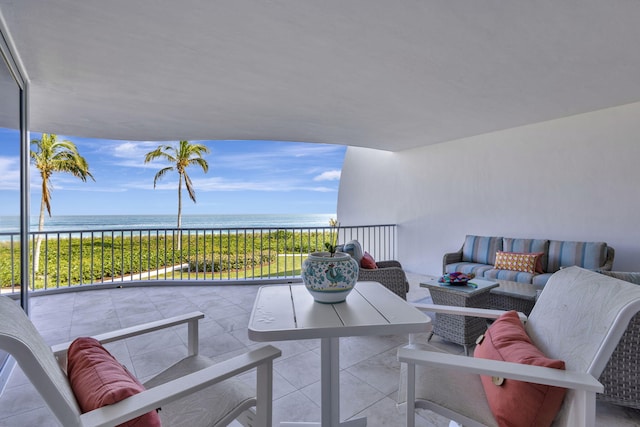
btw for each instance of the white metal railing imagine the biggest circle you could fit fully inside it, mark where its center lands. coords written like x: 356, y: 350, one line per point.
x: 82, y: 258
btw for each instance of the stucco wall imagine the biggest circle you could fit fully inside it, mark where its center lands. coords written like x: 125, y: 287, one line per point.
x: 576, y: 178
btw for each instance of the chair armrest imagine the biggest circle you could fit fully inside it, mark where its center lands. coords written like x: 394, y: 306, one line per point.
x: 388, y: 263
x: 60, y: 350
x: 608, y: 263
x: 450, y: 258
x: 516, y: 371
x: 465, y: 311
x: 153, y: 398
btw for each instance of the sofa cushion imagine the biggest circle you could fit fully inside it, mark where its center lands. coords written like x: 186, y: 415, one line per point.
x: 513, y: 276
x: 468, y: 268
x: 98, y: 379
x: 481, y: 249
x: 541, y: 279
x: 525, y: 262
x: 589, y: 255
x: 512, y: 402
x: 528, y: 246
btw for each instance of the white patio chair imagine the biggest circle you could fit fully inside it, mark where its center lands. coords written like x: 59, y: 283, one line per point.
x: 192, y: 392
x: 579, y: 318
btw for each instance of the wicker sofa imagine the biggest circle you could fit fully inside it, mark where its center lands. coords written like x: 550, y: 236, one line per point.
x: 621, y: 376
x: 478, y: 256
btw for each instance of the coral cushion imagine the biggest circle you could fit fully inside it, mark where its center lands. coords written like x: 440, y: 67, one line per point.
x: 525, y: 262
x: 98, y: 379
x: 518, y: 403
x: 368, y: 262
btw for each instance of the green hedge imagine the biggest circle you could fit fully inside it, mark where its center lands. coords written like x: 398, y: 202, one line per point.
x: 70, y: 262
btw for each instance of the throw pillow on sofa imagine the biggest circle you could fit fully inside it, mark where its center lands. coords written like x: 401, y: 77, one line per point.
x: 525, y: 262
x: 528, y: 246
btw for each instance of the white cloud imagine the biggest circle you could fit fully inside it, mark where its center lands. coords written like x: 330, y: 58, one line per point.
x: 131, y: 154
x: 9, y: 173
x: 133, y: 150
x: 332, y: 175
x: 224, y: 184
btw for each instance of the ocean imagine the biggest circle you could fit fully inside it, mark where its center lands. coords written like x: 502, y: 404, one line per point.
x: 10, y: 224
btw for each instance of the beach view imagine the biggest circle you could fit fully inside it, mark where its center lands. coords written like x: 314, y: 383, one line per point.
x: 183, y: 205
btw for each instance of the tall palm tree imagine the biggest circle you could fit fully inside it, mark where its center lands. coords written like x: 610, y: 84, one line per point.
x: 50, y: 155
x: 180, y: 157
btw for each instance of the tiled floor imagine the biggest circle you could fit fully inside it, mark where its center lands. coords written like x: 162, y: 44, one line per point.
x: 369, y: 375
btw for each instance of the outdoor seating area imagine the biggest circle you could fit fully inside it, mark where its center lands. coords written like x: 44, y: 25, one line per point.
x: 84, y: 385
x: 456, y: 386
x: 525, y: 260
x: 369, y: 368
x: 473, y: 159
x: 622, y: 369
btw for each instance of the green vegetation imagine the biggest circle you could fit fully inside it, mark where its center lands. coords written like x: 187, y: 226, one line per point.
x: 86, y: 260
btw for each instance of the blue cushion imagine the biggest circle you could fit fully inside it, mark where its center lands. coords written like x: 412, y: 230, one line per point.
x: 354, y: 249
x: 511, y: 275
x: 541, y: 279
x: 590, y: 255
x: 481, y: 249
x: 527, y: 246
x: 468, y: 268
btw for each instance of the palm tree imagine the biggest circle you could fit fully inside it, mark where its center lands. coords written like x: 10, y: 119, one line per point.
x: 180, y: 157
x: 49, y: 156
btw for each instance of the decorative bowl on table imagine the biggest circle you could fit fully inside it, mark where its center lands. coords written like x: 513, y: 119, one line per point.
x: 456, y: 279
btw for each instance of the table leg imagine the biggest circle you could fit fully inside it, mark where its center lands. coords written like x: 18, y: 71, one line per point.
x: 330, y: 386
x: 330, y: 381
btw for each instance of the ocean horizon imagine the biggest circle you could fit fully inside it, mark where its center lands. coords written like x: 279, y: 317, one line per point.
x: 10, y: 224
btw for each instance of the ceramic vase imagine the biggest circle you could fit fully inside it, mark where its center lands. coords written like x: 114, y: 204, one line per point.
x: 329, y: 279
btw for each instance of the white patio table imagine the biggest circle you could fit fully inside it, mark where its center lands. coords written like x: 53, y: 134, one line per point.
x: 288, y: 312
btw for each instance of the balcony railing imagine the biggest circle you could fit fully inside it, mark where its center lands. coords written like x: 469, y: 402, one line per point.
x: 81, y: 258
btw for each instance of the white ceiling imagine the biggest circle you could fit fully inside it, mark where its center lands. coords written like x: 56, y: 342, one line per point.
x: 374, y: 73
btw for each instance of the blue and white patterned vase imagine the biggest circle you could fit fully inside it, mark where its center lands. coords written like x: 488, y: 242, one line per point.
x: 329, y: 279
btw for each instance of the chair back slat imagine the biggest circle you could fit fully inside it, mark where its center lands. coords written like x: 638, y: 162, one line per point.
x: 19, y: 337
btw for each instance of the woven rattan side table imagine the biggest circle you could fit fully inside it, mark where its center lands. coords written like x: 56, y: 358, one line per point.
x: 461, y: 330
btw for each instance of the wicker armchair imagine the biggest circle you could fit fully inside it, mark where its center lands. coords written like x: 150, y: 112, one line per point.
x: 620, y: 376
x: 389, y: 273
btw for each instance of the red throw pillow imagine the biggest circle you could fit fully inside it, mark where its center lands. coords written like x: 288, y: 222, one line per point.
x: 518, y: 403
x: 368, y: 262
x: 98, y: 379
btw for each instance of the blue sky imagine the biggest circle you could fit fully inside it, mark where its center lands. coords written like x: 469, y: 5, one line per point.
x: 244, y: 177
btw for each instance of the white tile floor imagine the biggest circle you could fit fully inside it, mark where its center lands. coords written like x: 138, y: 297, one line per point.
x: 369, y: 373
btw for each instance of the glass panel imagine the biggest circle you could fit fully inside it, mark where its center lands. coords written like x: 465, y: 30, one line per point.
x: 9, y: 188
